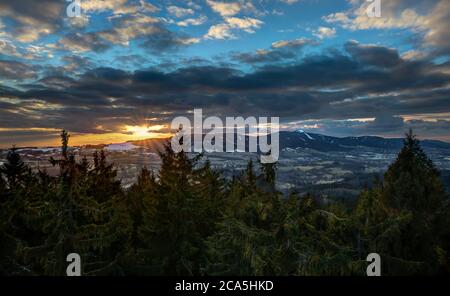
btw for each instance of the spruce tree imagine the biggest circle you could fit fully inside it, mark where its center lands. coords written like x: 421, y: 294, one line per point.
x: 78, y: 218
x: 141, y: 196
x: 2, y: 189
x: 171, y: 229
x: 50, y: 257
x: 14, y: 169
x: 400, y: 217
x: 16, y: 223
x: 246, y: 238
x: 210, y: 188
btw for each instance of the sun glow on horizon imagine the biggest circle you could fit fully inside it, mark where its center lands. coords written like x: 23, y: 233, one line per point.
x: 50, y: 138
x: 142, y: 132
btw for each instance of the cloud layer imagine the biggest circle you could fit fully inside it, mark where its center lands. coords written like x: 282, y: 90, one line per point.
x: 137, y: 62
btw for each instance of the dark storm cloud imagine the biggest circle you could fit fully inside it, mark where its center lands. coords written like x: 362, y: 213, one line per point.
x: 164, y: 40
x: 41, y: 11
x: 154, y: 38
x: 386, y: 123
x: 373, y: 55
x: 132, y: 60
x: 427, y: 101
x: 33, y: 18
x: 363, y: 81
x: 279, y: 52
x: 312, y: 73
x: 394, y: 125
x: 16, y: 70
x: 150, y: 33
x: 77, y: 63
x: 90, y: 41
x: 271, y: 56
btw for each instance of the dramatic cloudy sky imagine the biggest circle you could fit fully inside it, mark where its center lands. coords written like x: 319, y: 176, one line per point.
x: 125, y: 68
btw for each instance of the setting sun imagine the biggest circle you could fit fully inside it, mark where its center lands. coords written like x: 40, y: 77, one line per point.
x: 140, y: 132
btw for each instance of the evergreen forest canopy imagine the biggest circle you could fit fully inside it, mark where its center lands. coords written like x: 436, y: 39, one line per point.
x: 189, y: 220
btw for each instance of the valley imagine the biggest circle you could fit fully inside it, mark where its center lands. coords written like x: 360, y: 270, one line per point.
x: 325, y: 166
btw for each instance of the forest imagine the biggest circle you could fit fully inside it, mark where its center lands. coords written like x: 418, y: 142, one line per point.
x: 187, y: 219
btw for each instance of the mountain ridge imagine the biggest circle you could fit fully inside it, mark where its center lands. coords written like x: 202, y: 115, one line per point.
x: 294, y: 140
x: 302, y: 139
x: 320, y: 142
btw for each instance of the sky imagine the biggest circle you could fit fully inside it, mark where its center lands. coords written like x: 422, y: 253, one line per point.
x: 123, y: 69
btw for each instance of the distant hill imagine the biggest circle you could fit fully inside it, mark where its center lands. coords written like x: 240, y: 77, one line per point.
x: 302, y: 139
x: 319, y: 142
x: 288, y: 139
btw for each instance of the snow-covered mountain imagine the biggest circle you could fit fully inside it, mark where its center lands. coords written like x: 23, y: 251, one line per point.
x: 291, y: 140
x: 302, y: 139
x: 303, y: 133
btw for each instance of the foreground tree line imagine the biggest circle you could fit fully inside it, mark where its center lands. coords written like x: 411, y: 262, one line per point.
x: 189, y: 220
